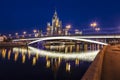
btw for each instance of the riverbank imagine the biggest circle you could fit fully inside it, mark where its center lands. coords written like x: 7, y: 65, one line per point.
x: 106, y: 65
x: 12, y: 44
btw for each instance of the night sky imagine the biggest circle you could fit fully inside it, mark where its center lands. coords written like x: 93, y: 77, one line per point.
x: 26, y: 15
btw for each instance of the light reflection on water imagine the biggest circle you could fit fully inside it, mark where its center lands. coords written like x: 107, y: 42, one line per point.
x: 86, y: 56
x: 55, y: 61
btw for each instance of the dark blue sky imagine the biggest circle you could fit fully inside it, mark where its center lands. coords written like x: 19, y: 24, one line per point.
x: 25, y: 15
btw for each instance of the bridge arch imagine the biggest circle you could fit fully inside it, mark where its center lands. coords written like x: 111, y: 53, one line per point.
x: 67, y: 38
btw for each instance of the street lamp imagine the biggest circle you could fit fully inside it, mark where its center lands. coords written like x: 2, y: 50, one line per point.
x: 94, y: 24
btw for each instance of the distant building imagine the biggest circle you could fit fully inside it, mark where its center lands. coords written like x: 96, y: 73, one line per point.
x: 3, y: 38
x: 56, y: 27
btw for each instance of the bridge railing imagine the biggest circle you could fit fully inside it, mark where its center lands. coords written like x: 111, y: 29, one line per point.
x: 44, y: 34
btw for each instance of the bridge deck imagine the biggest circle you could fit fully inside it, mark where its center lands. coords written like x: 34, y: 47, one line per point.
x: 106, y: 65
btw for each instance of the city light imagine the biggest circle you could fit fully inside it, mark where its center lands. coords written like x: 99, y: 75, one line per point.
x: 94, y: 24
x: 16, y: 34
x: 68, y: 27
x: 36, y: 35
x: 48, y: 29
x: 78, y: 32
x: 97, y: 29
x: 24, y: 32
x: 9, y: 35
x: 34, y: 30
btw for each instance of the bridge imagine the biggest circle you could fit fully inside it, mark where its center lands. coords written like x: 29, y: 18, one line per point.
x: 58, y: 38
x: 88, y: 42
x: 101, y: 38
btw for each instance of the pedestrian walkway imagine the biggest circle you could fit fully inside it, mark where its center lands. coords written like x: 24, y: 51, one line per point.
x: 106, y: 65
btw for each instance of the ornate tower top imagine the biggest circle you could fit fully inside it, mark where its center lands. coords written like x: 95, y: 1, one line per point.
x: 55, y: 15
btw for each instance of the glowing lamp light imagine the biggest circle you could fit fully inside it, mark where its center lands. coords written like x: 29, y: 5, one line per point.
x: 48, y: 29
x: 16, y: 34
x: 24, y: 32
x: 76, y: 30
x: 94, y: 24
x: 34, y: 30
x: 97, y: 29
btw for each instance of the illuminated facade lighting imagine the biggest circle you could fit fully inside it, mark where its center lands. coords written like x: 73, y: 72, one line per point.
x: 97, y: 29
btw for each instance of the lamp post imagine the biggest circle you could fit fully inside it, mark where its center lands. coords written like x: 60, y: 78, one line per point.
x: 94, y: 24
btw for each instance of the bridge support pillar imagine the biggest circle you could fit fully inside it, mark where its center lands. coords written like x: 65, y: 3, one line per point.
x: 98, y: 46
x: 85, y: 47
x: 59, y: 49
x: 77, y: 47
x: 93, y: 46
x: 71, y: 48
x: 66, y: 49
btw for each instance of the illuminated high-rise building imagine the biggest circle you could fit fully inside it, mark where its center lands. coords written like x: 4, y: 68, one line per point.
x: 56, y: 27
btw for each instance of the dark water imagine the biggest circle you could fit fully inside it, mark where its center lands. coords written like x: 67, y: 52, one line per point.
x: 24, y: 64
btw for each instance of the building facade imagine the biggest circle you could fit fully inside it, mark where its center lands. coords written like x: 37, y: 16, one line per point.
x: 56, y: 27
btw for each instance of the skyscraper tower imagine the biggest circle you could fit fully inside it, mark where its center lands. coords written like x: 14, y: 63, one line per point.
x: 56, y: 28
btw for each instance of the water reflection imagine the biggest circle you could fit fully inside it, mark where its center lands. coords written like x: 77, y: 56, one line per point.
x: 67, y: 46
x: 53, y: 59
x: 3, y: 53
x: 16, y: 56
x: 48, y: 63
x: 87, y: 56
x: 23, y: 58
x: 57, y: 56
x: 59, y: 62
x: 9, y: 54
x: 34, y: 61
x: 68, y: 67
x: 77, y: 61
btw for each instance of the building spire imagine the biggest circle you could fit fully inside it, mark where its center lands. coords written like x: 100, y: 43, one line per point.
x: 55, y: 12
x: 55, y: 15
